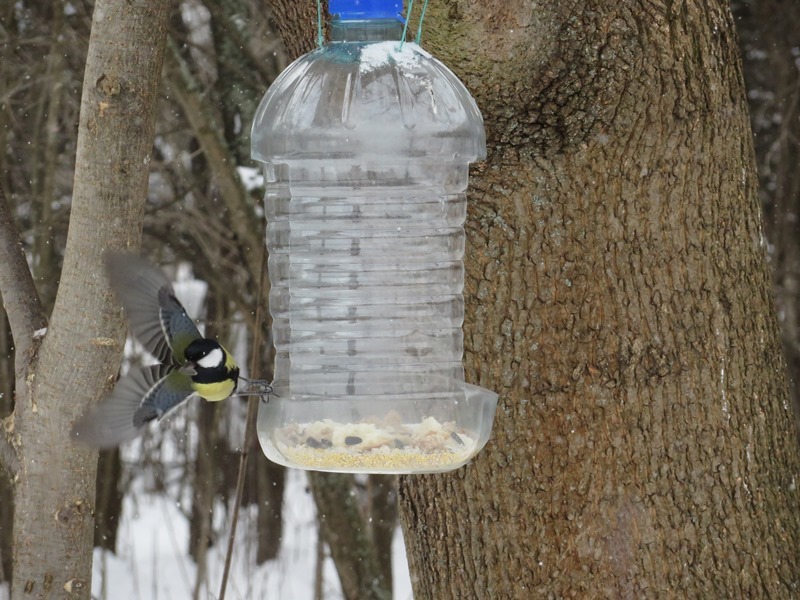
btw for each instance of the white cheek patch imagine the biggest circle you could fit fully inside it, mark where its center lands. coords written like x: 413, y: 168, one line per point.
x: 211, y: 360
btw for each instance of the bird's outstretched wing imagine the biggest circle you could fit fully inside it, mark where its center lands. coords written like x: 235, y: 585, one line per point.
x: 157, y: 319
x: 141, y: 396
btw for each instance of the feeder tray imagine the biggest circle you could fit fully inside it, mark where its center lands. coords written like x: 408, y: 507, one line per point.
x: 375, y: 444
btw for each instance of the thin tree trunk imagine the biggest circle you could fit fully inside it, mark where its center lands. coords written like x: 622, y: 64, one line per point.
x: 204, y: 490
x: 6, y: 406
x: 348, y: 536
x: 204, y: 483
x: 108, y: 499
x: 319, y: 563
x: 618, y: 300
x: 76, y: 361
x: 6, y: 526
x: 382, y: 494
x: 271, y: 482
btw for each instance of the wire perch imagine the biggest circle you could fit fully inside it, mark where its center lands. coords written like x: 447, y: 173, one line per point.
x: 256, y: 387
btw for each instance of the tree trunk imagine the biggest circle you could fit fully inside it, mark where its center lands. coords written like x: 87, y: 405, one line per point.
x: 618, y: 300
x: 383, y: 512
x: 108, y: 499
x: 297, y: 24
x: 204, y: 490
x: 349, y: 537
x: 76, y: 360
x: 270, y: 479
x: 6, y: 406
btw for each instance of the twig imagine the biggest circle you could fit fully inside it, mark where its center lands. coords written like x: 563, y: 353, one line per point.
x: 20, y: 298
x: 320, y: 562
x: 252, y: 406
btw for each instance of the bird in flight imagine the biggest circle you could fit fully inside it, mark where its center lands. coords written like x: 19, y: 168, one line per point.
x: 189, y: 365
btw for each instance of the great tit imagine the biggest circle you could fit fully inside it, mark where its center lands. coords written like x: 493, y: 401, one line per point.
x: 189, y: 364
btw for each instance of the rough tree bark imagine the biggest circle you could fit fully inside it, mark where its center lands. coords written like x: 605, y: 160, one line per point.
x: 618, y: 300
x: 59, y: 374
x: 297, y: 25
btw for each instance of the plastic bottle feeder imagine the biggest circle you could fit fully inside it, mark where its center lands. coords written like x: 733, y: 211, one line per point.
x: 366, y: 146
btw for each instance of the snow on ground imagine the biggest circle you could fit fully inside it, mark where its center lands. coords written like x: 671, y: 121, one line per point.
x: 152, y: 562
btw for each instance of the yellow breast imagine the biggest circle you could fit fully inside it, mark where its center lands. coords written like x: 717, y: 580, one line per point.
x: 215, y: 392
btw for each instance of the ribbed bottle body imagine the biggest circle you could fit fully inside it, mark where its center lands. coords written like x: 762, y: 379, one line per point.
x: 367, y: 278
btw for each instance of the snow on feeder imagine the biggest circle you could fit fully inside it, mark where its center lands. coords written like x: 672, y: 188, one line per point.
x: 366, y: 143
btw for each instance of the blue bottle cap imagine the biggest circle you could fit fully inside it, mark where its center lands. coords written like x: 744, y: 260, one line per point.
x: 357, y: 10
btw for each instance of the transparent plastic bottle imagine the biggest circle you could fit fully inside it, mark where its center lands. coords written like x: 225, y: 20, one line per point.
x: 366, y: 147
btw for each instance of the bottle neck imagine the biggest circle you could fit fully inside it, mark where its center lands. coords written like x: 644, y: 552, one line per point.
x: 366, y: 30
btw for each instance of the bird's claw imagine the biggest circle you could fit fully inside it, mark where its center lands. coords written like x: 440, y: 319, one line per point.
x: 258, y: 387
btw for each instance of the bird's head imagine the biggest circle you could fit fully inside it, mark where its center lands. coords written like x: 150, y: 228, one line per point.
x: 205, y: 354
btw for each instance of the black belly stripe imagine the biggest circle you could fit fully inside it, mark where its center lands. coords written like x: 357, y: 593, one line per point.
x: 215, y: 375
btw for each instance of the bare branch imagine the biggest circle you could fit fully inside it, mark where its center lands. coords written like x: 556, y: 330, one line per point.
x: 244, y: 222
x: 265, y: 71
x: 20, y: 298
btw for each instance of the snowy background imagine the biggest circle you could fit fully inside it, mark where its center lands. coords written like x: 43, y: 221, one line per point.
x: 152, y: 560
